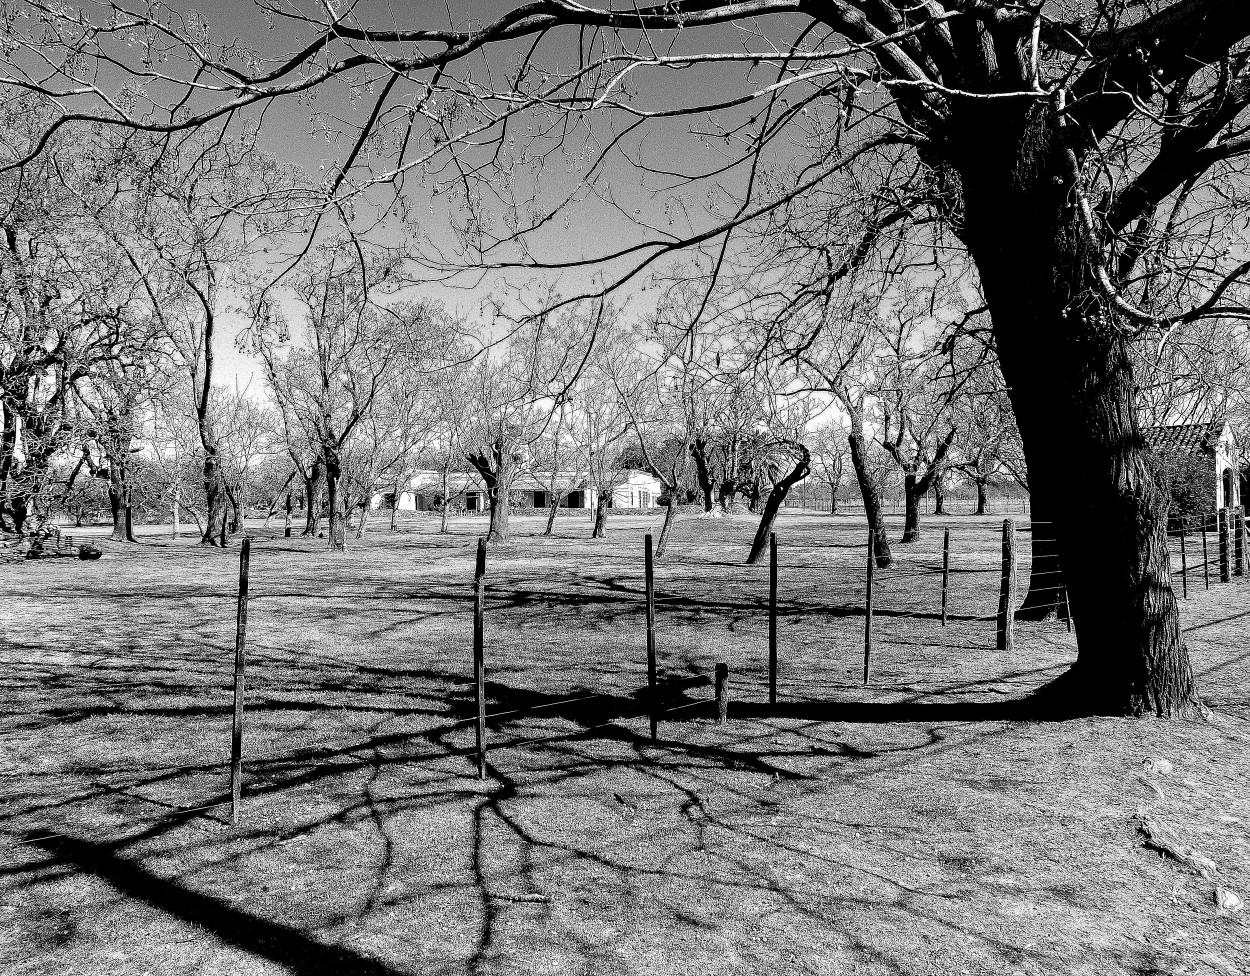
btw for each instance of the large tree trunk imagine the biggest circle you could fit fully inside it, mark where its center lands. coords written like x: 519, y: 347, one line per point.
x: 939, y: 498
x: 871, y: 495
x: 773, y: 503
x: 1071, y: 381
x: 981, y: 498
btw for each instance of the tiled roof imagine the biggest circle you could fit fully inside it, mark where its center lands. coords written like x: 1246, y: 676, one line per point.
x: 1185, y: 438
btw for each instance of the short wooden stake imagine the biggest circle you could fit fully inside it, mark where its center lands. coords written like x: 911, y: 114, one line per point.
x: 240, y: 663
x: 946, y: 569
x: 722, y: 693
x: 479, y: 653
x: 1007, y: 591
x: 1206, y: 557
x: 1184, y: 561
x: 772, y: 618
x: 1226, y: 574
x: 654, y: 703
x: 872, y: 563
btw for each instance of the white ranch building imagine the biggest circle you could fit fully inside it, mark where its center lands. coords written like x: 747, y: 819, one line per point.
x: 1214, y: 444
x: 634, y: 489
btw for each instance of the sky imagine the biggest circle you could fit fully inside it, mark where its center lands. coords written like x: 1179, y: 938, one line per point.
x: 597, y: 225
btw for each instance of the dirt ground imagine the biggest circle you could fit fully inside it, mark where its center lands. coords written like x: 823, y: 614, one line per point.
x: 913, y: 826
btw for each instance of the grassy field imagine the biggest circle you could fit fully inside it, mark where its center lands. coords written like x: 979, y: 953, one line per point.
x: 916, y: 825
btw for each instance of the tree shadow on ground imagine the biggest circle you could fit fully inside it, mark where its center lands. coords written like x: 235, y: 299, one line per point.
x: 288, y: 947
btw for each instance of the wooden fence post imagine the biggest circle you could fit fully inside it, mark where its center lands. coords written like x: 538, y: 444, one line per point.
x: 772, y: 618
x: 1239, y: 540
x: 1007, y: 591
x: 653, y: 704
x: 1184, y: 561
x: 872, y: 562
x: 479, y: 653
x: 240, y: 659
x: 722, y: 693
x: 946, y: 569
x: 1226, y: 574
x: 1206, y: 556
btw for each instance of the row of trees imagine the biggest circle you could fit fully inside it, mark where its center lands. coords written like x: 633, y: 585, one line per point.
x: 1076, y: 168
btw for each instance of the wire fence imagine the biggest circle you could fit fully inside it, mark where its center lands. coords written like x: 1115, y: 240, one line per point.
x: 969, y: 584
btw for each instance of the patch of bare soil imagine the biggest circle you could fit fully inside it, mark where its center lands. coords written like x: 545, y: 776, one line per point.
x: 916, y: 825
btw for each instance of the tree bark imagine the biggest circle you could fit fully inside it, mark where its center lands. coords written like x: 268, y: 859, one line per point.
x: 871, y: 494
x: 337, y: 536
x: 939, y: 498
x: 1071, y: 381
x: 981, y: 499
x: 600, y: 530
x: 119, y: 498
x: 553, y: 509
x: 833, y: 499
x: 703, y: 473
x: 497, y: 469
x: 911, y: 508
x: 442, y: 528
x: 215, y: 494
x: 312, y: 500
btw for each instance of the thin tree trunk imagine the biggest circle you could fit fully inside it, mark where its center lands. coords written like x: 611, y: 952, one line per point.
x: 553, y: 508
x: 337, y: 536
x: 911, y: 509
x: 215, y: 494
x: 871, y: 495
x: 312, y: 500
x: 776, y: 498
x: 174, y: 512
x: 442, y: 529
x: 703, y: 473
x: 670, y: 516
x: 117, y: 501
x: 364, y: 519
x: 600, y: 529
